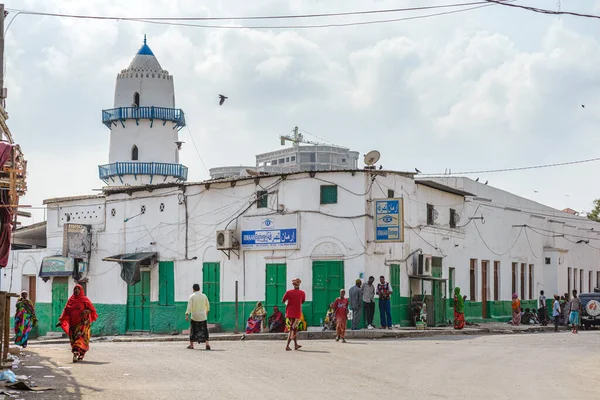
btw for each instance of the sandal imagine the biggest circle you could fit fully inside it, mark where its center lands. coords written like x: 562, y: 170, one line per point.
x: 288, y: 349
x: 75, y: 357
x: 190, y: 347
x: 298, y: 347
x: 207, y: 347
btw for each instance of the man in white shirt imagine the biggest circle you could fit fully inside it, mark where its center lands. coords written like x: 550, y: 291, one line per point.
x: 197, y: 313
x: 542, y: 309
x: 556, y: 312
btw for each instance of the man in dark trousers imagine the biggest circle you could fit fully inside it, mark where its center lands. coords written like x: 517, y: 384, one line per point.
x: 384, y: 290
x: 368, y: 292
x: 294, y: 298
x: 355, y: 294
x: 542, y: 313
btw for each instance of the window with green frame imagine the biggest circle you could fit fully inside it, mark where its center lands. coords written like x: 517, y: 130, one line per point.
x: 329, y: 194
x: 262, y: 199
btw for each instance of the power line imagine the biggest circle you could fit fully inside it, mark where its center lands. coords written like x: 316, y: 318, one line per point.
x: 514, y: 169
x: 543, y: 10
x: 488, y: 247
x: 197, y: 151
x: 160, y: 21
x: 267, y: 17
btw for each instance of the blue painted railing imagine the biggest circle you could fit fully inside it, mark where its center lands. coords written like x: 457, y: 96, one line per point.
x: 161, y: 113
x: 142, y: 168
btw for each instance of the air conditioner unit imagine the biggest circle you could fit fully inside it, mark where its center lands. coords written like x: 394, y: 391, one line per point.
x: 226, y: 240
x: 423, y: 267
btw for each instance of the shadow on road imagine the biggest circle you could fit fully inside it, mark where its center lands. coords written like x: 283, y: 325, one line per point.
x: 55, y: 375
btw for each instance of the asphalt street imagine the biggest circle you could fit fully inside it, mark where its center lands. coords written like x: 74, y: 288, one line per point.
x: 526, y: 366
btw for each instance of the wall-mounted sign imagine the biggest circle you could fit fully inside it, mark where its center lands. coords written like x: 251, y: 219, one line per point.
x: 389, y: 220
x: 271, y: 232
x: 57, y: 266
x: 77, y: 241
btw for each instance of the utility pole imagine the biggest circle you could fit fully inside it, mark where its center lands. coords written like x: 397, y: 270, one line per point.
x: 2, y: 91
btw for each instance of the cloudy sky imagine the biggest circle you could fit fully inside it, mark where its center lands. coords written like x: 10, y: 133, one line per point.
x: 489, y: 88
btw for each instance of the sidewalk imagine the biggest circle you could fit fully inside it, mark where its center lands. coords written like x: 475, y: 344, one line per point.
x: 316, y: 333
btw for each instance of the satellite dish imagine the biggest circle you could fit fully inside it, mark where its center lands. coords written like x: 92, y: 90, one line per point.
x: 372, y: 157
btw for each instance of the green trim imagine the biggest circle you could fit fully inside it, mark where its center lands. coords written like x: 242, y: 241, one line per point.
x: 112, y: 318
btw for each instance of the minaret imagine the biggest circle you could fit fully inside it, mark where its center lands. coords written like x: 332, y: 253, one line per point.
x: 144, y: 126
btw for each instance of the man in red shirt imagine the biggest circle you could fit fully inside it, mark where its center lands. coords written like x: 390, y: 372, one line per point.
x: 340, y: 306
x: 295, y: 298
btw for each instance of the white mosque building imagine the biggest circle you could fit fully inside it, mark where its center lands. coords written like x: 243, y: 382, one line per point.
x: 140, y: 245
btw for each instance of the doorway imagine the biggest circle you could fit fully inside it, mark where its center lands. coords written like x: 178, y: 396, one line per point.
x: 328, y: 279
x: 275, y: 286
x: 211, y: 287
x: 138, y: 304
x: 484, y: 288
x: 60, y: 295
x: 438, y: 292
x: 395, y: 297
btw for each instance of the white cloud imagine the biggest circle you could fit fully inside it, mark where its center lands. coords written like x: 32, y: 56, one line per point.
x: 468, y: 91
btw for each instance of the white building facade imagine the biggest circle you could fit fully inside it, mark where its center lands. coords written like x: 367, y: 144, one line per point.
x: 140, y: 246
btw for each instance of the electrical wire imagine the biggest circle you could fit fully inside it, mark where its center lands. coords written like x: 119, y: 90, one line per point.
x: 269, y: 17
x: 423, y: 239
x: 489, y: 171
x: 197, y: 151
x: 488, y: 247
x: 543, y: 10
x: 529, y: 243
x: 382, y: 21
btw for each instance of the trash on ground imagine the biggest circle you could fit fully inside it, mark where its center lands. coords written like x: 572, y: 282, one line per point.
x: 49, y: 376
x: 33, y: 366
x: 8, y: 375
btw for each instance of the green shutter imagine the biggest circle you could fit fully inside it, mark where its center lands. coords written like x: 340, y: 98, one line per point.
x: 262, y: 199
x: 166, y: 283
x: 275, y: 286
x: 328, y: 194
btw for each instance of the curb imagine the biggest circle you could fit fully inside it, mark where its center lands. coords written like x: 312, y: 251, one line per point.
x: 318, y: 335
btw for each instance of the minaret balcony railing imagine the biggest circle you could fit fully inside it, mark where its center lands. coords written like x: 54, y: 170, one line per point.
x: 121, y: 114
x: 154, y: 169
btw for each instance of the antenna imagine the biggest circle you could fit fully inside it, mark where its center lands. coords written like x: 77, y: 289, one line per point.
x: 371, y: 158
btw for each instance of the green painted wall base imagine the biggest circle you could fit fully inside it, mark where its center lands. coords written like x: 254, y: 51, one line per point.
x: 112, y: 318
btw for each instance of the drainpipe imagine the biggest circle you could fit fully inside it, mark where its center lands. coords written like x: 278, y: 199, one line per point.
x: 185, y: 205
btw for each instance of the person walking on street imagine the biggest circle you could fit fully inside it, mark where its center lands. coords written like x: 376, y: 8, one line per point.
x: 355, y: 295
x: 197, y: 313
x: 542, y: 309
x: 384, y: 290
x: 368, y: 298
x: 340, y: 305
x: 567, y: 310
x: 76, y: 320
x: 575, y: 307
x: 25, y: 319
x: 294, y: 298
x: 556, y: 312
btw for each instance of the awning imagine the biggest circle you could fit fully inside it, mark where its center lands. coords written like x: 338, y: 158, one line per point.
x: 57, y: 266
x: 426, y: 278
x: 130, y: 265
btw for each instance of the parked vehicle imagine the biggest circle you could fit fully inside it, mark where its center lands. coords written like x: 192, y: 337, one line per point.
x: 590, y: 314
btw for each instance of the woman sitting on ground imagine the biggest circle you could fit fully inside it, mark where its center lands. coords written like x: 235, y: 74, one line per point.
x: 257, y: 319
x: 276, y: 322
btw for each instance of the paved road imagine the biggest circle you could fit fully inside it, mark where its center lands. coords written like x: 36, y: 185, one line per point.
x: 534, y: 366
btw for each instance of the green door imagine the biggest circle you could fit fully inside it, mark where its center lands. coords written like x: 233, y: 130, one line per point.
x: 166, y: 283
x: 439, y: 302
x: 211, y: 287
x: 138, y: 304
x: 395, y: 298
x: 328, y: 279
x: 275, y: 286
x: 60, y: 295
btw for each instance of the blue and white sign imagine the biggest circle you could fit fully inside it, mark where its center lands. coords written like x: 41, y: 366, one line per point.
x: 270, y: 232
x: 389, y: 220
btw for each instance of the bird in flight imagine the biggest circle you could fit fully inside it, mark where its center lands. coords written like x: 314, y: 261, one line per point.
x: 223, y: 98
x: 583, y: 106
x: 417, y: 170
x: 535, y: 191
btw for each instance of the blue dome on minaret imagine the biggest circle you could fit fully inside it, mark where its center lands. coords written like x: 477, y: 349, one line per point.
x: 145, y: 49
